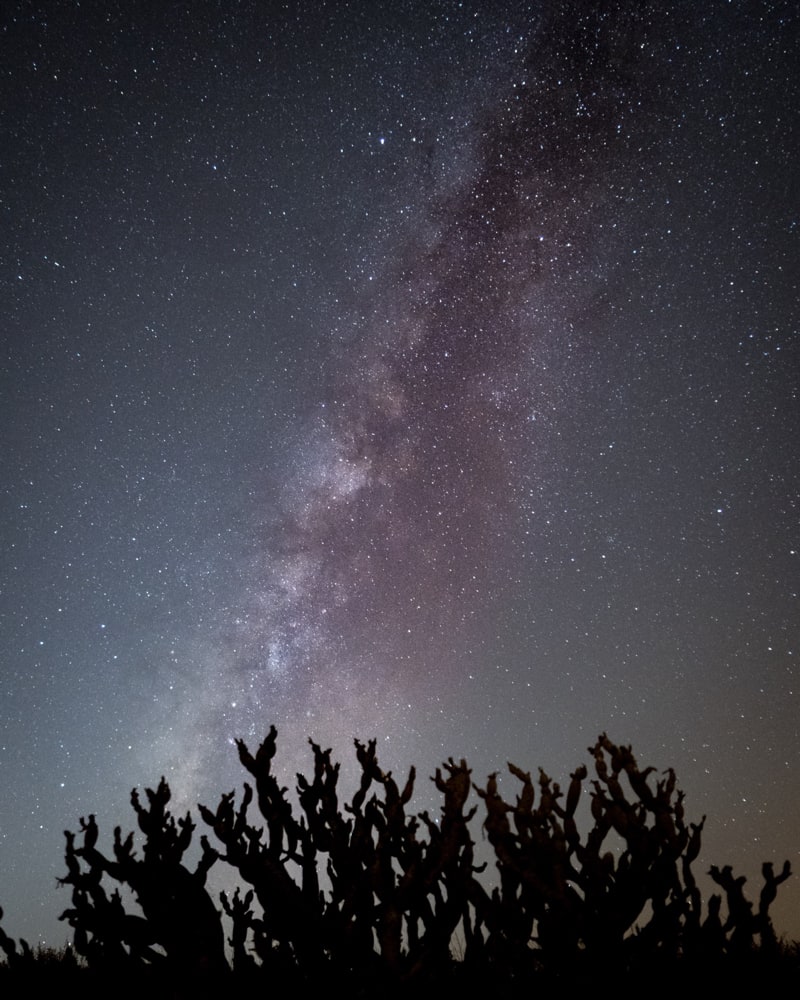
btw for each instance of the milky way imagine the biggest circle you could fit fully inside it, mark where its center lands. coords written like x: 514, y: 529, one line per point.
x: 422, y: 371
x: 398, y: 525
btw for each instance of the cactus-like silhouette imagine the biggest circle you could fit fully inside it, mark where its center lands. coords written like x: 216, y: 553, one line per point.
x: 179, y: 923
x: 366, y: 893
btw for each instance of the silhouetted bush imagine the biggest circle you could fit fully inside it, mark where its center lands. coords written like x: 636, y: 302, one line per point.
x: 365, y: 893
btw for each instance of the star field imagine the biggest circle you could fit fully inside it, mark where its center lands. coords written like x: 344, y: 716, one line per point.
x: 419, y: 371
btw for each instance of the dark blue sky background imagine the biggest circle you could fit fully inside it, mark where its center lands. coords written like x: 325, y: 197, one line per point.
x: 418, y: 370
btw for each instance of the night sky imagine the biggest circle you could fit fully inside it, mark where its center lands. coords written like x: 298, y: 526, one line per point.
x: 419, y: 370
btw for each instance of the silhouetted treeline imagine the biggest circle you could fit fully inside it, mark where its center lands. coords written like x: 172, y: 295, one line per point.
x: 366, y: 894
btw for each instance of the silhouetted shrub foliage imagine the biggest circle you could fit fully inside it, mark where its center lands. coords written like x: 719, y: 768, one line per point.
x: 398, y: 888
